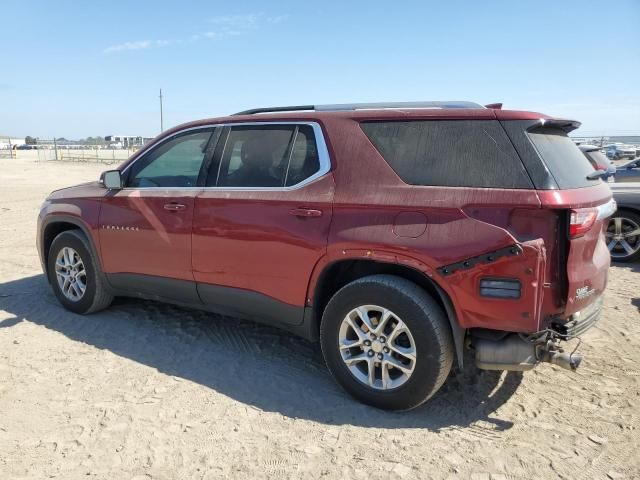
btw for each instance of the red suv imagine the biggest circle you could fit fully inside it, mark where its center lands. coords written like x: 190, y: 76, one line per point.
x: 396, y: 234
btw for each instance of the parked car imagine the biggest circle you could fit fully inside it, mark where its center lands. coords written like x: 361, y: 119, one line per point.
x: 623, y: 232
x: 629, y: 172
x: 598, y: 160
x: 395, y: 234
x: 618, y: 152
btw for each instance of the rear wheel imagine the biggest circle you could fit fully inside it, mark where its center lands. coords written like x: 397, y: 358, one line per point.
x: 74, y: 274
x: 387, y: 342
x: 623, y: 236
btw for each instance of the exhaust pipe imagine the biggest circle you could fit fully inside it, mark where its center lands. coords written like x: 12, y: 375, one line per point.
x: 564, y: 360
x: 514, y: 353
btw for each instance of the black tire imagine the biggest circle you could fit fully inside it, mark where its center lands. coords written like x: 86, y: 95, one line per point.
x: 97, y: 295
x: 420, y: 313
x: 633, y: 218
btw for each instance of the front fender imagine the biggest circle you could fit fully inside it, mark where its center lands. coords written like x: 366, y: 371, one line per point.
x: 83, y: 215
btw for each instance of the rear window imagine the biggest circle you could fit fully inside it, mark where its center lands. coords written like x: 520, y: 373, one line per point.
x: 563, y: 158
x: 452, y: 153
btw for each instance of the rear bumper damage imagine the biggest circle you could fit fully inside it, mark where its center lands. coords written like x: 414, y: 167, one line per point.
x: 519, y: 352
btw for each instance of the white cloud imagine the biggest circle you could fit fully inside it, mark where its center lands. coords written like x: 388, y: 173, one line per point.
x: 223, y: 26
x: 139, y: 45
x: 237, y: 21
x: 238, y: 24
x: 278, y: 18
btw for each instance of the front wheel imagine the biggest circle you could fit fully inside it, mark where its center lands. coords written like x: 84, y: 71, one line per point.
x: 74, y: 274
x: 387, y: 342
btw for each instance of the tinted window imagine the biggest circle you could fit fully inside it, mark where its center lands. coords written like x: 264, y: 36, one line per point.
x: 175, y: 163
x: 267, y: 156
x: 455, y: 153
x: 304, y: 157
x: 597, y: 159
x: 563, y: 158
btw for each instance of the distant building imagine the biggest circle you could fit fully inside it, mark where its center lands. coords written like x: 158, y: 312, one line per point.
x: 125, y: 141
x: 7, y: 140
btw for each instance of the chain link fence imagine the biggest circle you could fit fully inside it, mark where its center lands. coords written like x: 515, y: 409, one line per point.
x: 6, y: 148
x: 50, y: 151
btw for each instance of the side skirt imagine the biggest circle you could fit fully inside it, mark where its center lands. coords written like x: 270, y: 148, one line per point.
x: 237, y: 302
x: 228, y: 301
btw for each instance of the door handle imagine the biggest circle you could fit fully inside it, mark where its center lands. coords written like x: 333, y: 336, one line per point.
x: 305, y: 212
x: 174, y: 207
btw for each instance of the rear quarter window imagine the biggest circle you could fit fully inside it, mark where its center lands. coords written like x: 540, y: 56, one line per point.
x: 563, y: 158
x: 452, y: 153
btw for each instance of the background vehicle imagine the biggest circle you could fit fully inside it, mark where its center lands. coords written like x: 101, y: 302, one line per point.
x: 598, y: 160
x: 371, y: 227
x: 629, y: 172
x: 618, y: 152
x: 623, y: 232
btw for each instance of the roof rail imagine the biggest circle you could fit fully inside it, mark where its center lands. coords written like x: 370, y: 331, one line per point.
x: 362, y: 106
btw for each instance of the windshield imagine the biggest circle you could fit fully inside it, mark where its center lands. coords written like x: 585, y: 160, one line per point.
x: 632, y: 164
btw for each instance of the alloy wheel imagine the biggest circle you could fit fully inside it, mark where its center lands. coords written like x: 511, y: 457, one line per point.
x: 71, y: 274
x: 623, y: 237
x: 377, y: 347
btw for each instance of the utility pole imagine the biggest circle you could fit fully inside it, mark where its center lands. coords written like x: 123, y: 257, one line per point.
x: 161, y: 119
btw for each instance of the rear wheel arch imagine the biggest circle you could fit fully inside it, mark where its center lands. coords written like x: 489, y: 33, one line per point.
x: 336, y: 275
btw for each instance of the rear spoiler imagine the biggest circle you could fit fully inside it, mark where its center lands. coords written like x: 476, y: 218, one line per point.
x: 562, y: 124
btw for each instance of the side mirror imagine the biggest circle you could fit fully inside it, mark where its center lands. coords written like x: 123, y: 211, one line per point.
x: 112, y: 180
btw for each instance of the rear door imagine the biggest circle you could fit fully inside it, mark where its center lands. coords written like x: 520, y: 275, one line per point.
x: 262, y: 221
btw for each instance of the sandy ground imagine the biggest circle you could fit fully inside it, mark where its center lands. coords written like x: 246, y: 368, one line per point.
x: 145, y: 390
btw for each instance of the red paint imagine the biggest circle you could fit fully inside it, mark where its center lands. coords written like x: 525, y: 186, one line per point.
x: 147, y: 238
x: 251, y: 240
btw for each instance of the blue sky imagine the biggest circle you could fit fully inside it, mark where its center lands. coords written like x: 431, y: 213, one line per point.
x: 78, y: 69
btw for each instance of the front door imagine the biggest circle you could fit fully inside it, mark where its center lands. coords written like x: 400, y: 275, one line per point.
x: 263, y: 221
x: 145, y: 228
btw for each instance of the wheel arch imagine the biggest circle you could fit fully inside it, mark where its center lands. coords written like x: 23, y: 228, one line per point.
x: 339, y: 273
x: 627, y: 208
x: 54, y: 226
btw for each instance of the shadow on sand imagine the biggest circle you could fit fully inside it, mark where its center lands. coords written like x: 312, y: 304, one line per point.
x: 254, y: 364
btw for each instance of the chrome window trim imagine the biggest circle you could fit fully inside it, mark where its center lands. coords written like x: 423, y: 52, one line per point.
x: 321, y: 147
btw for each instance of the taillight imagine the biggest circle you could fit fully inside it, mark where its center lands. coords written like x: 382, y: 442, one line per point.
x: 581, y: 221
x: 600, y: 167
